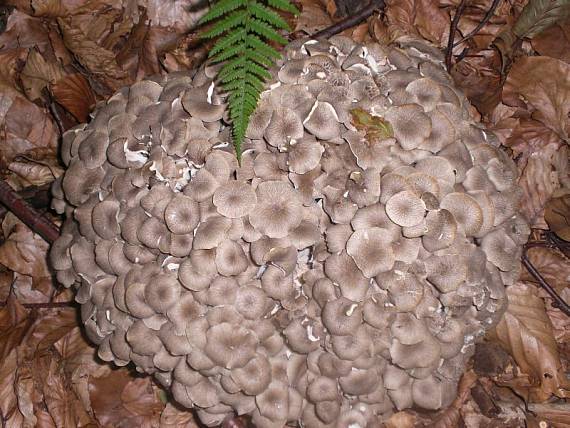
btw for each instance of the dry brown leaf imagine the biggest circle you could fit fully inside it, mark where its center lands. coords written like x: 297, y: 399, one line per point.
x: 10, y: 414
x: 557, y: 215
x: 60, y: 400
x: 528, y: 137
x: 526, y: 332
x: 48, y: 329
x: 551, y: 264
x: 23, y: 251
x: 75, y: 95
x: 544, y: 84
x: 313, y: 17
x: 400, y: 17
x: 105, y: 395
x: 24, y: 31
x: 26, y: 127
x: 38, y: 74
x: 140, y: 398
x: 479, y: 76
x: 539, y: 180
x: 173, y: 417
x: 96, y: 59
x: 554, y: 42
x: 432, y: 21
x: 24, y: 391
x: 401, y: 420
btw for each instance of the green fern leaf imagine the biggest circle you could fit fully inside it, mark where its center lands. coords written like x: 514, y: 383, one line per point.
x: 265, y: 14
x: 243, y: 29
x: 220, y: 8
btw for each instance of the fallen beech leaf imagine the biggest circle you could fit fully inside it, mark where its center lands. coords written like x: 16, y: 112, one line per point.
x: 8, y: 399
x: 538, y: 15
x: 95, y: 58
x: 526, y: 333
x: 75, y: 95
x: 48, y: 329
x: 23, y: 251
x: 539, y: 180
x: 24, y: 391
x: 313, y: 17
x: 400, y: 16
x: 175, y: 13
x: 24, y: 31
x: 173, y: 417
x: 59, y: 399
x: 26, y: 127
x: 551, y: 264
x: 140, y: 398
x: 479, y: 76
x: 48, y: 8
x: 38, y: 73
x: 554, y: 42
x: 432, y: 21
x: 544, y: 83
x: 401, y: 420
x: 528, y: 137
x: 105, y: 394
x: 33, y: 173
x: 557, y: 215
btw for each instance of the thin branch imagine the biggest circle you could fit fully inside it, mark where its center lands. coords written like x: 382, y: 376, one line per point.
x: 46, y: 305
x: 452, y: 31
x: 558, y: 301
x: 351, y: 20
x: 484, y: 22
x: 32, y: 218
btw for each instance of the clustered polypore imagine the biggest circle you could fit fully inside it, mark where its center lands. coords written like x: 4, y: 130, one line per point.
x: 328, y: 280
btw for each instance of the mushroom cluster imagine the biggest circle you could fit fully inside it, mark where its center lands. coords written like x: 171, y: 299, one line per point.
x: 332, y: 277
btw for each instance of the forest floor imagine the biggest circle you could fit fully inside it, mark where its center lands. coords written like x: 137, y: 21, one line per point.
x: 58, y: 58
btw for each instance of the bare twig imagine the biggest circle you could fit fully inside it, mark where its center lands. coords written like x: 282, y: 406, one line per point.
x: 484, y: 22
x: 46, y: 305
x: 558, y: 301
x: 35, y: 220
x: 352, y: 20
x: 452, y: 31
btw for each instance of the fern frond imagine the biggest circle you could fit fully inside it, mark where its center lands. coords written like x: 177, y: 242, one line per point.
x: 243, y: 28
x: 283, y: 5
x: 220, y: 8
x: 265, y: 14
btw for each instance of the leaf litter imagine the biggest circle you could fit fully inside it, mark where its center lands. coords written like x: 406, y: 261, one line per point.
x: 58, y: 59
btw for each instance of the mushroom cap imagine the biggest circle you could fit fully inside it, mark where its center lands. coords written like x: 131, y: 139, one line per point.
x: 278, y: 211
x: 181, y: 215
x: 410, y: 124
x: 371, y: 250
x: 406, y: 209
x: 235, y: 199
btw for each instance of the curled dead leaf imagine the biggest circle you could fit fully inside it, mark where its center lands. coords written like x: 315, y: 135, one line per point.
x: 539, y: 179
x: 551, y: 264
x: 75, y: 95
x: 526, y: 333
x: 96, y: 59
x: 544, y: 85
x: 557, y: 215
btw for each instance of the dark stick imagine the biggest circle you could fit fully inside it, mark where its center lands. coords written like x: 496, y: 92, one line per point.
x: 351, y: 21
x: 484, y: 22
x: 558, y: 301
x: 452, y: 31
x: 46, y: 305
x: 36, y: 221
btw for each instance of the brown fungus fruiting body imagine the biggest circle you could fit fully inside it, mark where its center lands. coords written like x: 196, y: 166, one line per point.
x: 333, y: 277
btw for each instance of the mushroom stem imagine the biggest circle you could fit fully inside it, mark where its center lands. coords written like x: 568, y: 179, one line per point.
x: 35, y: 220
x: 351, y: 20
